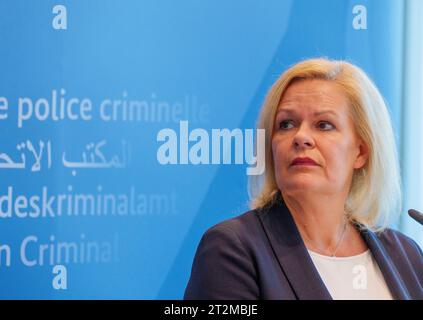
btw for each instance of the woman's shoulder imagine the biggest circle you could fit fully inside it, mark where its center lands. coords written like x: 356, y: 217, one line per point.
x: 246, y: 223
x: 395, y: 241
x: 244, y: 230
x: 224, y: 259
x: 394, y: 237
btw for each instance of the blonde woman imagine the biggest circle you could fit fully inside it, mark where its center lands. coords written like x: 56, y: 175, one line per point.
x: 318, y: 228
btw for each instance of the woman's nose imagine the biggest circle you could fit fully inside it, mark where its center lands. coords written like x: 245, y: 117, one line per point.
x: 303, y: 139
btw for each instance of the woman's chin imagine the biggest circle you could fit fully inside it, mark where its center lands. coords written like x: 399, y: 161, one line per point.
x: 301, y: 184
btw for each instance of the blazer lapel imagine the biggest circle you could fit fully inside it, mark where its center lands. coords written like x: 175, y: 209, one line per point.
x: 387, y: 267
x: 292, y: 254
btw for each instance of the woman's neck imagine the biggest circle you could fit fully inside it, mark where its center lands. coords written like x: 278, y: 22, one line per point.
x: 323, y: 224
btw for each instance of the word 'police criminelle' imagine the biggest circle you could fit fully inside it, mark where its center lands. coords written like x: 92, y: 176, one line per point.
x: 197, y: 147
x: 213, y: 309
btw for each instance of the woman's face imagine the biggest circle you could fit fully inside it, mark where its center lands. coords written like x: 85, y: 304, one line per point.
x: 313, y: 121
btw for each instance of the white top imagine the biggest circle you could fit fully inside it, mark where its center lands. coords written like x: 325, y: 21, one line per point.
x: 352, y: 278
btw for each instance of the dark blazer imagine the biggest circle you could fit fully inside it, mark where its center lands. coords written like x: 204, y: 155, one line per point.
x: 260, y: 255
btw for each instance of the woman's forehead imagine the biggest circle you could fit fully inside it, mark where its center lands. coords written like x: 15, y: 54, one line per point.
x: 314, y: 96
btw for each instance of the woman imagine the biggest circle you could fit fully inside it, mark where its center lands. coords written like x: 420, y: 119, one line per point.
x: 318, y: 224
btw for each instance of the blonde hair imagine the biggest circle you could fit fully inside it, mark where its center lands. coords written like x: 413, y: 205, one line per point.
x: 375, y: 193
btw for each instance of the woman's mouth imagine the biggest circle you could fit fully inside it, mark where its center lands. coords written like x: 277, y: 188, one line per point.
x: 303, y: 162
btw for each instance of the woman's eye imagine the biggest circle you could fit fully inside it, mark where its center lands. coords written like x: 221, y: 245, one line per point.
x: 324, y: 125
x: 285, y: 124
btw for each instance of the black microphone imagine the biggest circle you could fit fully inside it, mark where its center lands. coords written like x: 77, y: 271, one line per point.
x: 416, y: 215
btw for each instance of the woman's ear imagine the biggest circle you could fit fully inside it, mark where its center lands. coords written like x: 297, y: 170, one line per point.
x: 362, y: 156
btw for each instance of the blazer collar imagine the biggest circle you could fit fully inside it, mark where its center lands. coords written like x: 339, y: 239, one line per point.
x: 296, y: 262
x: 291, y: 253
x: 386, y: 265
